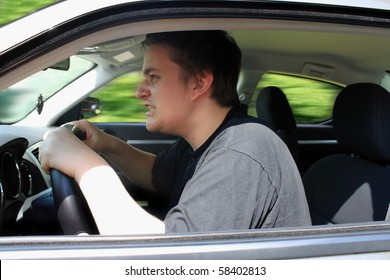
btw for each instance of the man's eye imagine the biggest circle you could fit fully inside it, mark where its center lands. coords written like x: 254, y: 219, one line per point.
x: 153, y: 78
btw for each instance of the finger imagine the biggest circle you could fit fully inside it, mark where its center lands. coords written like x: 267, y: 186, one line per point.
x: 42, y: 160
x: 79, y: 133
x: 68, y: 125
x: 46, y: 134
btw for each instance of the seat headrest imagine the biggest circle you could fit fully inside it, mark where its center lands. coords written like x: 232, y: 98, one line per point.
x: 361, y: 119
x: 273, y: 108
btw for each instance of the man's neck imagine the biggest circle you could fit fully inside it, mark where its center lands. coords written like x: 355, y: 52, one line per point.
x: 204, y: 125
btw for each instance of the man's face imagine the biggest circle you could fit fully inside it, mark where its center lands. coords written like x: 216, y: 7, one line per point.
x: 163, y: 92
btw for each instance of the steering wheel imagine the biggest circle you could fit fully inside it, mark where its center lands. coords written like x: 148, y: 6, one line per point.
x: 72, y: 211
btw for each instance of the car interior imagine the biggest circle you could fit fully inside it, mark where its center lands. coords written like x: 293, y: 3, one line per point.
x: 353, y: 142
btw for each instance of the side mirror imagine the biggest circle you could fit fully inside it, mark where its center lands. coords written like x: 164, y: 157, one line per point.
x: 90, y: 108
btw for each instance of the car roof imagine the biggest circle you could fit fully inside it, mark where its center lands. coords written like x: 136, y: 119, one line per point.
x: 63, y: 11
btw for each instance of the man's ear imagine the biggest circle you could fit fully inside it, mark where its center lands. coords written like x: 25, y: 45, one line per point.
x: 202, y: 84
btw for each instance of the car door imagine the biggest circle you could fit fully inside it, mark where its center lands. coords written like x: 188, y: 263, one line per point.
x: 137, y: 135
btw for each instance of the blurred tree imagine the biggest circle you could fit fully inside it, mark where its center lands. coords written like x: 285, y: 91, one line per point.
x: 14, y: 9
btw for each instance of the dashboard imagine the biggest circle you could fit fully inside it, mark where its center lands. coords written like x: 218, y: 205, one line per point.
x: 21, y: 181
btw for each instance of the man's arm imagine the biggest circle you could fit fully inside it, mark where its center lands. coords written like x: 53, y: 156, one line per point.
x: 135, y: 163
x: 114, y: 210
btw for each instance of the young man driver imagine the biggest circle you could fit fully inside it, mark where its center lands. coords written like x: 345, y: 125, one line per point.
x: 226, y: 171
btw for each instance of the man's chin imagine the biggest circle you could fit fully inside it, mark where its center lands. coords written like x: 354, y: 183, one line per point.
x: 151, y: 127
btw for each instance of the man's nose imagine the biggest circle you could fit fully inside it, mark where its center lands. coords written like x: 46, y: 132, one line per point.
x: 142, y: 91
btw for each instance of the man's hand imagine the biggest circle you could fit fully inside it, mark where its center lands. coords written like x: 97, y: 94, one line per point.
x: 63, y: 151
x: 96, y: 139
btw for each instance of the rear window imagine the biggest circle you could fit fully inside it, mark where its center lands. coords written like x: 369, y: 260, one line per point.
x: 311, y: 100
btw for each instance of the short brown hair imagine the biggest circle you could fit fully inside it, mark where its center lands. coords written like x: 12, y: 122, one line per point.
x: 196, y: 51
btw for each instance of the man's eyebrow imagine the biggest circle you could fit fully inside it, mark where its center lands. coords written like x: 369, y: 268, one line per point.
x: 148, y: 70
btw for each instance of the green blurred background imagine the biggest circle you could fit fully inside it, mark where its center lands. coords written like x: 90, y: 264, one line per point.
x: 14, y: 9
